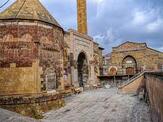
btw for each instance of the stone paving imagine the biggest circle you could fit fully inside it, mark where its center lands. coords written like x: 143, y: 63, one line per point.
x: 101, y: 105
x: 8, y: 116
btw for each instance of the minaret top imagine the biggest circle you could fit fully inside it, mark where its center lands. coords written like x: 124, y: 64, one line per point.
x: 82, y: 16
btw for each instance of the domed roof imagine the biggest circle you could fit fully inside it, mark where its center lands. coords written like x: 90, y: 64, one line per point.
x: 28, y: 10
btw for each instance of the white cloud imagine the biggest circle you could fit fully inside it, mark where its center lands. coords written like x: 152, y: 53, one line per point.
x: 99, y: 38
x: 142, y: 17
x: 97, y: 1
x: 160, y: 49
x: 109, y: 35
x: 155, y: 26
x: 139, y: 18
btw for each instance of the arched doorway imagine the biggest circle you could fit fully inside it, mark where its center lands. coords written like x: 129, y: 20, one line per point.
x: 82, y: 69
x: 130, y: 65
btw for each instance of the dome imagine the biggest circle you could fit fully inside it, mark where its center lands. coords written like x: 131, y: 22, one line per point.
x: 28, y: 10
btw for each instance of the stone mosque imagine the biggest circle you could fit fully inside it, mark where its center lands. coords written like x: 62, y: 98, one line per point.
x: 40, y: 56
x: 41, y: 63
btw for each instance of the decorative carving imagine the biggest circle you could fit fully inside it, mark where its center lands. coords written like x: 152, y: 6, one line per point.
x: 8, y: 38
x: 45, y: 40
x: 48, y: 45
x: 26, y: 38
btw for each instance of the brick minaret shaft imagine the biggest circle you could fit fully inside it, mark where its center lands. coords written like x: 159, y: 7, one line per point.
x: 82, y: 16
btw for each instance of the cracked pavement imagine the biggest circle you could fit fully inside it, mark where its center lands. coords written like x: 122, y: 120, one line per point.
x: 101, y: 105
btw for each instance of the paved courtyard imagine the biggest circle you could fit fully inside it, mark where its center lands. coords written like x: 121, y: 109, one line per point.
x: 102, y: 105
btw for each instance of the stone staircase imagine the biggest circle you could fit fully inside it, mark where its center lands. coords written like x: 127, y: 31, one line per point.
x: 132, y: 85
x: 132, y: 79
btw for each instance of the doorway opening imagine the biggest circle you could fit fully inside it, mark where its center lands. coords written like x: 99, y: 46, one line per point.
x: 130, y: 65
x: 82, y: 69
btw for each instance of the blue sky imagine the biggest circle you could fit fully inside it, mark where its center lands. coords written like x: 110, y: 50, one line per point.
x: 112, y: 22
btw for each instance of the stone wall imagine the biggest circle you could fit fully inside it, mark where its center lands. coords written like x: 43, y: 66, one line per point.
x: 101, y: 60
x: 80, y: 43
x: 20, y: 80
x: 34, y: 105
x: 133, y: 87
x: 51, y: 49
x: 150, y: 87
x: 142, y: 57
x: 154, y: 86
x: 138, y: 51
x: 22, y: 42
x: 17, y: 44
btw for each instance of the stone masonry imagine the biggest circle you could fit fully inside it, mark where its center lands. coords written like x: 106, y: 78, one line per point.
x: 80, y: 43
x: 130, y: 58
x: 82, y: 16
x: 27, y: 35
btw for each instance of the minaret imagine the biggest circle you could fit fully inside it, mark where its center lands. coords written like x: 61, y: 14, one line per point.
x: 82, y: 16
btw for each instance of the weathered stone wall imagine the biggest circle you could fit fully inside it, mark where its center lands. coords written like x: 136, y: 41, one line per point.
x: 20, y: 80
x: 68, y: 74
x: 33, y: 106
x: 81, y: 43
x: 51, y: 45
x: 154, y: 86
x: 23, y: 42
x: 143, y: 57
x: 96, y: 60
x: 140, y: 52
x: 149, y: 86
x: 17, y: 44
x: 101, y: 60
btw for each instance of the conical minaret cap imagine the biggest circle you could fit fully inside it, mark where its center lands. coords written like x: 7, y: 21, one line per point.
x: 28, y: 10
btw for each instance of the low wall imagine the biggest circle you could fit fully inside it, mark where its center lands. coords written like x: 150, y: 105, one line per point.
x: 154, y: 87
x: 134, y: 86
x: 152, y: 83
x: 20, y: 80
x: 32, y: 105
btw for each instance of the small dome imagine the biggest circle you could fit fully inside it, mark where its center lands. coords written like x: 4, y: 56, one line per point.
x: 28, y: 10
